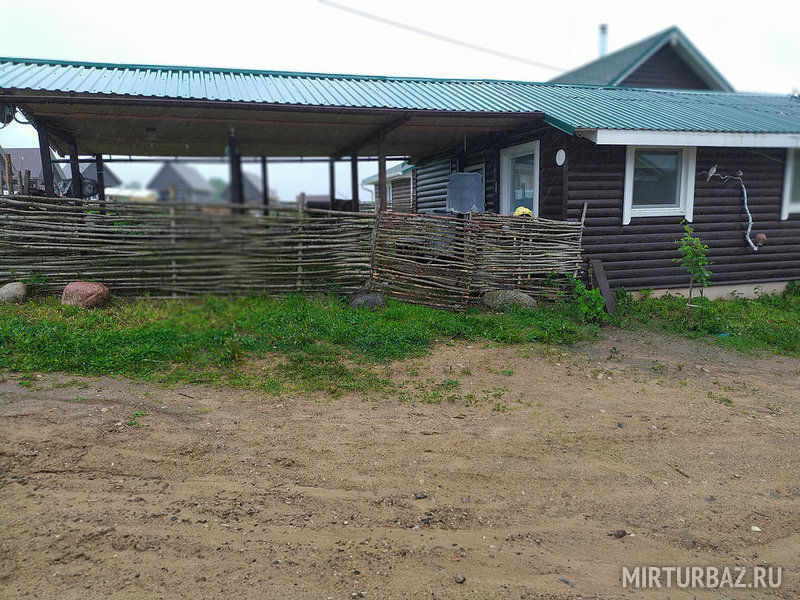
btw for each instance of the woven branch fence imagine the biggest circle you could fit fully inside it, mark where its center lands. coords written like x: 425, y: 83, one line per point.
x: 185, y: 249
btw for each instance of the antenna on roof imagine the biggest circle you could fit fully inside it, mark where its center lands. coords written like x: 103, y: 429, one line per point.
x: 603, y: 39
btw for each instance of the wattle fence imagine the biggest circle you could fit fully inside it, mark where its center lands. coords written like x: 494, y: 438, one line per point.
x: 165, y: 250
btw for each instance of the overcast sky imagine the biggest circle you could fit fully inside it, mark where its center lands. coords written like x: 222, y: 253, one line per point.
x: 756, y: 45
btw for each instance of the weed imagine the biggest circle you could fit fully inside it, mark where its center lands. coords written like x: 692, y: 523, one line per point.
x: 507, y: 372
x: 133, y: 420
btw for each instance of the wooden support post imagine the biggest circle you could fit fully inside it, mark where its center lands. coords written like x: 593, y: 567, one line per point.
x: 235, y: 159
x: 101, y: 182
x: 75, y: 170
x: 264, y: 182
x: 26, y: 182
x: 332, y: 182
x: 354, y: 183
x: 47, y: 166
x: 9, y: 175
x: 381, y: 200
x: 101, y: 177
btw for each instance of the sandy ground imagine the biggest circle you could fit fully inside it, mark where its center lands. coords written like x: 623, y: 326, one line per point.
x: 521, y: 473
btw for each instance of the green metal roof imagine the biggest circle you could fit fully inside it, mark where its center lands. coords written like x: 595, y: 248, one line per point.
x: 392, y: 173
x: 613, y: 68
x: 567, y: 107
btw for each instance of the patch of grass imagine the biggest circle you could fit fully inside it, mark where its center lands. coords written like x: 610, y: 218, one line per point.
x: 769, y: 322
x: 323, y: 344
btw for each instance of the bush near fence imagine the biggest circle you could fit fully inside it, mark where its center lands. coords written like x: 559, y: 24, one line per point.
x: 185, y: 249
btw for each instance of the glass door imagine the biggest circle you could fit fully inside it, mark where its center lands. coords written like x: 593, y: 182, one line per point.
x: 519, y: 178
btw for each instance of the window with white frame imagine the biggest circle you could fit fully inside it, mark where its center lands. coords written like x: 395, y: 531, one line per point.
x: 791, y: 184
x: 659, y: 182
x: 519, y: 178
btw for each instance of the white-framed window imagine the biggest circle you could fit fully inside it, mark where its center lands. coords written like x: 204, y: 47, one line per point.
x: 519, y: 178
x: 659, y: 182
x: 791, y: 184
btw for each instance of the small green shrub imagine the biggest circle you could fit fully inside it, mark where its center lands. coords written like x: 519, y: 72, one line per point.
x: 588, y: 305
x: 694, y: 258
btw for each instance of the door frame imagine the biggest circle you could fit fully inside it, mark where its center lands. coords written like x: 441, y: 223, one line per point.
x: 506, y: 154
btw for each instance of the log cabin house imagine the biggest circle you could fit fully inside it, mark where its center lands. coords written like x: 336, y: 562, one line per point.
x: 642, y: 160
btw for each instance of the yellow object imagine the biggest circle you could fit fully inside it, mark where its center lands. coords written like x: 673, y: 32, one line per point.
x: 523, y: 212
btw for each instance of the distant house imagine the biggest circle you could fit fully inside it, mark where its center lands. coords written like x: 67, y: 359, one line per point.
x: 664, y: 60
x: 110, y: 179
x: 253, y: 191
x: 399, y: 187
x: 187, y: 182
x: 29, y: 159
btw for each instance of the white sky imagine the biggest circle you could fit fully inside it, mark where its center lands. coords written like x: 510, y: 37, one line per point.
x: 755, y: 45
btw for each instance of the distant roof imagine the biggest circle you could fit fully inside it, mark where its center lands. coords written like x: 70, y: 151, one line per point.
x: 109, y: 177
x: 568, y: 107
x: 30, y: 159
x: 613, y: 68
x: 190, y: 176
x: 393, y: 173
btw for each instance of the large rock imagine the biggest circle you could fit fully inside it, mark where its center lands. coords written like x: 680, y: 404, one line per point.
x: 87, y: 294
x: 505, y: 299
x: 13, y: 292
x: 368, y: 300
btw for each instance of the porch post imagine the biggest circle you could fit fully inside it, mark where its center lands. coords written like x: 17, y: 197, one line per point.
x: 101, y: 178
x: 264, y: 181
x: 354, y: 179
x: 75, y: 169
x: 332, y: 181
x: 381, y: 175
x: 237, y: 193
x: 47, y: 166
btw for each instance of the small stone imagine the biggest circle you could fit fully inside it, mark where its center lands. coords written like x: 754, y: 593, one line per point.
x: 619, y: 533
x: 420, y: 496
x: 567, y: 581
x: 459, y: 578
x: 13, y: 293
x: 86, y: 294
x: 368, y: 299
x: 755, y: 528
x: 505, y: 299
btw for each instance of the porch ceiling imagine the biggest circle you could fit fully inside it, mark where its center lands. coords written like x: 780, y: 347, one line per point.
x: 166, y: 127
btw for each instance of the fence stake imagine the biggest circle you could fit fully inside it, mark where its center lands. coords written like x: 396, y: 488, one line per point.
x: 9, y: 176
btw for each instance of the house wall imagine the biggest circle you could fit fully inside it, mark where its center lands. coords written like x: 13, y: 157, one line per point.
x: 665, y: 69
x: 400, y: 195
x: 641, y: 255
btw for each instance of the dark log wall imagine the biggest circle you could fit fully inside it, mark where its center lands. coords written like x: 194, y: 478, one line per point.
x: 433, y: 173
x: 431, y: 181
x: 665, y: 69
x: 400, y: 195
x: 641, y: 254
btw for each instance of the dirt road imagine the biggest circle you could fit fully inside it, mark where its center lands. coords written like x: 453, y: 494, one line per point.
x: 515, y: 479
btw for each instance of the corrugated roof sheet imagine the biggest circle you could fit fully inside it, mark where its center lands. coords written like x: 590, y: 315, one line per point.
x: 566, y: 106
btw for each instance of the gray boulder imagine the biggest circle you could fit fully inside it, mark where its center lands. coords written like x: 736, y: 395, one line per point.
x: 504, y: 299
x: 13, y: 292
x: 368, y: 300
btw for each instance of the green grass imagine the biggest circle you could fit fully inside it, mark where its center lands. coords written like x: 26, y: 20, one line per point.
x: 769, y: 322
x: 316, y: 343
